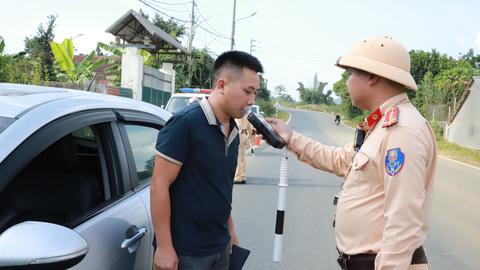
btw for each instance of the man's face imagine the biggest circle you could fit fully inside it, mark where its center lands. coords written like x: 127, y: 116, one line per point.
x: 357, y: 85
x: 240, y: 92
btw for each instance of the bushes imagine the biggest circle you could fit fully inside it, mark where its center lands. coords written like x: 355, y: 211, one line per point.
x: 266, y: 106
x: 438, y: 129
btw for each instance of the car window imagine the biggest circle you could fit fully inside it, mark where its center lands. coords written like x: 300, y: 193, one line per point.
x: 61, y: 185
x: 142, y: 141
x: 5, y: 122
x: 176, y: 104
x: 85, y: 133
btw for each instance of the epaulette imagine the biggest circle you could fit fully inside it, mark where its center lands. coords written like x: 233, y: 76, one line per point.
x: 391, y: 117
x: 372, y: 119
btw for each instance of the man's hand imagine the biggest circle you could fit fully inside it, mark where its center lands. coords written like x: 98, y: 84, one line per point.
x: 165, y: 259
x: 281, y: 128
x: 234, y: 239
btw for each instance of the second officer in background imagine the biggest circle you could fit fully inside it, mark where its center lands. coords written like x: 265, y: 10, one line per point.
x: 245, y: 130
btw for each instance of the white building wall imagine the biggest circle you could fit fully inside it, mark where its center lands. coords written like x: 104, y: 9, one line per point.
x: 132, y: 71
x: 465, y: 128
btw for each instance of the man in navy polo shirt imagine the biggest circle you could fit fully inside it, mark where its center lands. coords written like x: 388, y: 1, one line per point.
x: 191, y: 189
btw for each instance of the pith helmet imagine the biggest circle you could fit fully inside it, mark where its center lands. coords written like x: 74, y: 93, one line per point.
x: 381, y: 56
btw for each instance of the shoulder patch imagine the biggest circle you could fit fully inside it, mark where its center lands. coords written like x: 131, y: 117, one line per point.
x: 391, y: 117
x: 394, y: 161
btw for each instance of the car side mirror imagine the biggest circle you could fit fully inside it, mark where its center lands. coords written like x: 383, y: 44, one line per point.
x: 261, y: 114
x: 32, y: 244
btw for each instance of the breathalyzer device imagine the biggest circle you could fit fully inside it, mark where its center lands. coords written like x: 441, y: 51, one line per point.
x: 268, y: 133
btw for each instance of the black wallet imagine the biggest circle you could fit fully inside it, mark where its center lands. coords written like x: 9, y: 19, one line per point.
x: 238, y: 257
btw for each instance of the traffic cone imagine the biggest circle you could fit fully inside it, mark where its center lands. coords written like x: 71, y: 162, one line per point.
x: 257, y: 140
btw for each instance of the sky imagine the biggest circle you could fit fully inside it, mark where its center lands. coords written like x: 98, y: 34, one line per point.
x: 293, y: 39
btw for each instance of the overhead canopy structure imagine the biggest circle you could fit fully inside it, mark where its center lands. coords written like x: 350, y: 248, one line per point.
x: 135, y: 29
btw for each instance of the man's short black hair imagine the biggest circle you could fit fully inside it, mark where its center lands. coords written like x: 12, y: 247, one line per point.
x: 236, y: 60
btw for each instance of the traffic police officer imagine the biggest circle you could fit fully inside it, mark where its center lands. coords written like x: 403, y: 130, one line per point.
x: 386, y: 194
x: 245, y: 129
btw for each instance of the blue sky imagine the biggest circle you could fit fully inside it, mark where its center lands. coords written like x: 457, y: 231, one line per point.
x: 294, y: 39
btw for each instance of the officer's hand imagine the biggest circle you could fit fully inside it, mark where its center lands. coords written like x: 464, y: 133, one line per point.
x: 165, y: 259
x: 281, y: 128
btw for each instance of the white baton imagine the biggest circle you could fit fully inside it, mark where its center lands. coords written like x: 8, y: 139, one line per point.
x: 282, y: 196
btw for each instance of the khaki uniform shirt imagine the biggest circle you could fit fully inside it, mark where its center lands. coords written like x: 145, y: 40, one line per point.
x: 387, y: 190
x: 244, y: 129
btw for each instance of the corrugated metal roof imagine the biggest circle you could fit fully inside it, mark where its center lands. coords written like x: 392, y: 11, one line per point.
x: 133, y: 27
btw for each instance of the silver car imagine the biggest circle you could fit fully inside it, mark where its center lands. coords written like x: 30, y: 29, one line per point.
x: 75, y: 171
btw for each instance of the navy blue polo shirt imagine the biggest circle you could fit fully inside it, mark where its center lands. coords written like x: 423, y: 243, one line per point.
x: 201, y: 196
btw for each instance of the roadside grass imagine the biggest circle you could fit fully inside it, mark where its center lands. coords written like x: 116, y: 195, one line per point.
x: 446, y: 149
x: 457, y: 152
x: 282, y: 115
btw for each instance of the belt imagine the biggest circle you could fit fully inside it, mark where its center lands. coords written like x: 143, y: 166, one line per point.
x: 367, y: 261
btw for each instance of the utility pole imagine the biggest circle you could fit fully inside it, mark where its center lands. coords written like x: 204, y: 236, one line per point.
x: 190, y: 44
x: 232, y: 43
x: 252, y: 45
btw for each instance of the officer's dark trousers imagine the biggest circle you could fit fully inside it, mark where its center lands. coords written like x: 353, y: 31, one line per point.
x: 367, y: 261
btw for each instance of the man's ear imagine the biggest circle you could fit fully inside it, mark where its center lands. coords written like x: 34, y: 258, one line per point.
x: 373, y: 79
x: 220, y: 85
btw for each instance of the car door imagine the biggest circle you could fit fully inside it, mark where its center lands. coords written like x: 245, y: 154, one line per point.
x: 74, y: 172
x: 135, y: 135
x: 139, y: 132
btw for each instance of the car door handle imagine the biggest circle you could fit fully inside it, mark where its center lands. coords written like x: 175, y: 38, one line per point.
x: 133, y: 242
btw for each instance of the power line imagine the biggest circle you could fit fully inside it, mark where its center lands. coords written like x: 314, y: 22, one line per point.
x: 166, y: 9
x: 171, y: 4
x: 161, y: 12
x: 217, y: 35
x: 206, y: 21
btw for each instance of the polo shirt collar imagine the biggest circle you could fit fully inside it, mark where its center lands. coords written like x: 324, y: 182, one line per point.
x: 212, y: 120
x: 208, y: 111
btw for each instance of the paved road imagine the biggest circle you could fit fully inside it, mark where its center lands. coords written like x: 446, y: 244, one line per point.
x: 453, y: 242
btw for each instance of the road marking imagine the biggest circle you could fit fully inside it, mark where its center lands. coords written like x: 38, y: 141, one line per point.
x: 459, y: 162
x: 440, y: 156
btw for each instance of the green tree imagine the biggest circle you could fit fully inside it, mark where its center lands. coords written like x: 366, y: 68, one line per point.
x: 2, y: 45
x: 282, y: 95
x: 197, y: 73
x: 114, y: 70
x: 5, y: 66
x: 423, y: 62
x: 263, y: 92
x: 201, y: 70
x: 170, y: 26
x: 472, y: 58
x: 341, y: 90
x: 38, y: 49
x: 280, y: 90
x: 315, y: 95
x: 454, y: 81
x: 427, y: 94
x: 79, y: 73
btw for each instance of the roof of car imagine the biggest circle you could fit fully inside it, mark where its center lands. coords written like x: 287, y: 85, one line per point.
x: 31, y: 107
x: 189, y: 95
x: 18, y: 99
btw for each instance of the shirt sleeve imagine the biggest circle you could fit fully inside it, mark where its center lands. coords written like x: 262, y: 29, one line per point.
x: 174, y: 139
x: 336, y: 160
x: 403, y: 159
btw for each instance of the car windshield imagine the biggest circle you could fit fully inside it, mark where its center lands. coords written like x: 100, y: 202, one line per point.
x: 176, y: 104
x: 254, y: 109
